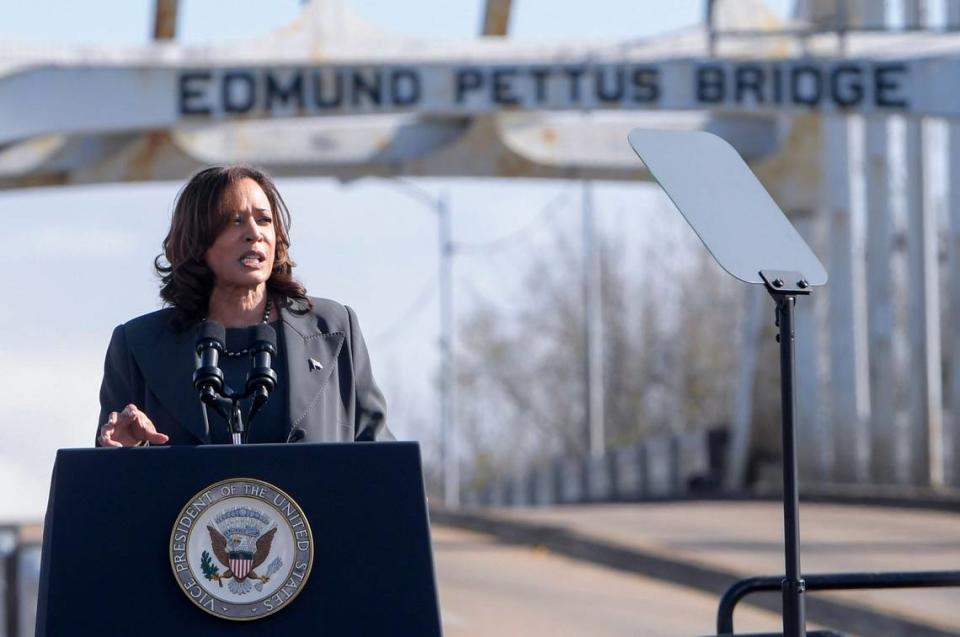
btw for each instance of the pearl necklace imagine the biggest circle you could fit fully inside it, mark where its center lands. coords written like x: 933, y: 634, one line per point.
x: 246, y: 351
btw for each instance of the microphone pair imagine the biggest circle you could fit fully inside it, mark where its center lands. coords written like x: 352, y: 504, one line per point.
x: 208, y: 377
x: 211, y: 344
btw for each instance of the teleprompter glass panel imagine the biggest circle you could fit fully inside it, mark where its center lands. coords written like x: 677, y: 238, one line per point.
x: 722, y: 200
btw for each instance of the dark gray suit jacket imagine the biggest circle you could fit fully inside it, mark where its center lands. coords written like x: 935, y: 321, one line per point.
x: 151, y: 366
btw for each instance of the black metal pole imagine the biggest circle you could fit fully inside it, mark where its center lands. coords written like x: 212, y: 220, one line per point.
x: 11, y: 564
x: 236, y: 422
x: 794, y: 617
x: 831, y: 582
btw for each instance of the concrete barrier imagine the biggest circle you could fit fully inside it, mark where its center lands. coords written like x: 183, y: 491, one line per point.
x: 600, y: 478
x: 660, y: 467
x: 498, y: 493
x: 665, y: 466
x: 545, y: 485
x: 572, y: 480
x: 692, y: 451
x: 629, y: 470
x: 519, y: 491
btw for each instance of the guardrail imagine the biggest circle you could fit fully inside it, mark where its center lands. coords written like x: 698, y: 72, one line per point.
x: 661, y: 467
x: 19, y: 578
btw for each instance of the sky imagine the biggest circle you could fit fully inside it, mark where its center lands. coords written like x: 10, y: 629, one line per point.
x: 79, y: 259
x: 201, y: 21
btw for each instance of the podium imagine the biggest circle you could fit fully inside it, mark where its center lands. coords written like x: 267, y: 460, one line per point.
x: 112, y: 553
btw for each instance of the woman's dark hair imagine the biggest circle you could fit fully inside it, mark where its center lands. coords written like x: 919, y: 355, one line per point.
x: 186, y: 280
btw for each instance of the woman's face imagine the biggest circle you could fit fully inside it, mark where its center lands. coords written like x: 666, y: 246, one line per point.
x: 242, y: 254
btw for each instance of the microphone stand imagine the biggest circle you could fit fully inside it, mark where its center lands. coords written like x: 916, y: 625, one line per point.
x: 226, y: 403
x: 216, y: 394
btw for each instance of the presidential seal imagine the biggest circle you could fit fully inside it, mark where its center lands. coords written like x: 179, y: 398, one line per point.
x: 241, y: 549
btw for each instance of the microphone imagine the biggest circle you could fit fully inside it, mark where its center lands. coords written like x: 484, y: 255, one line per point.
x: 262, y: 379
x: 208, y: 377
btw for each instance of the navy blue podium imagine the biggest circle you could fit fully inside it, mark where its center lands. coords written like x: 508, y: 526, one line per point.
x: 107, y: 565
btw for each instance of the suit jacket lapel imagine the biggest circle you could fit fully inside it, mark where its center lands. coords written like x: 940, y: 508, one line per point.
x: 168, y: 360
x: 311, y: 354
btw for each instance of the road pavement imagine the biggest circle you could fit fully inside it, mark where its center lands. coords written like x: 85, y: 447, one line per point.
x: 727, y: 540
x: 490, y: 588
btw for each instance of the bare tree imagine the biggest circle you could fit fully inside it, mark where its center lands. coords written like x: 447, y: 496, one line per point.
x: 667, y: 355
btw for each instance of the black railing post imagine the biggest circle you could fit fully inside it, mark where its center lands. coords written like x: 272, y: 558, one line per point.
x: 11, y: 573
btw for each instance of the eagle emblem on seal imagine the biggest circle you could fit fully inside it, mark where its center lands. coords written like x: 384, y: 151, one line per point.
x: 240, y: 539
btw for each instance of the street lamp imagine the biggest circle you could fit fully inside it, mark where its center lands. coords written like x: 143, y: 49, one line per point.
x: 440, y: 207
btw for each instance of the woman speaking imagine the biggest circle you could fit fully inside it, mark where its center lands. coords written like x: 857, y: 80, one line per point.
x: 226, y: 258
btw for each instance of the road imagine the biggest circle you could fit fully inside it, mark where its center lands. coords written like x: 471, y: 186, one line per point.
x: 746, y: 538
x: 664, y: 554
x: 489, y: 588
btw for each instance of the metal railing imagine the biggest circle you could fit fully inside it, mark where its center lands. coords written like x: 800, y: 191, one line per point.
x: 19, y: 578
x: 830, y: 582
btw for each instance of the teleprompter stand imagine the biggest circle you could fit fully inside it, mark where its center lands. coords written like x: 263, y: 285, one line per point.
x: 106, y: 566
x: 751, y: 238
x: 784, y: 287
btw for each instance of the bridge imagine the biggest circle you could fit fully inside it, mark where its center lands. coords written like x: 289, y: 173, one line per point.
x: 820, y: 110
x: 659, y: 568
x: 654, y: 568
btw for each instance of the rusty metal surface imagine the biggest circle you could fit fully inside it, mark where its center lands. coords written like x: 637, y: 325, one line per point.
x: 104, y: 115
x: 165, y: 20
x: 494, y: 146
x: 496, y: 17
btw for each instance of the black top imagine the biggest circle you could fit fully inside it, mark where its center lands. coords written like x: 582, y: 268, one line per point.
x: 271, y: 423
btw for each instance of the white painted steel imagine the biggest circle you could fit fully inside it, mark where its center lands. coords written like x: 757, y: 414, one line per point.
x: 923, y: 325
x: 97, y: 98
x: 880, y: 317
x: 871, y: 14
x: 102, y: 115
x: 756, y: 308
x: 814, y: 444
x: 847, y: 417
x: 952, y: 410
x: 952, y: 14
x: 925, y: 426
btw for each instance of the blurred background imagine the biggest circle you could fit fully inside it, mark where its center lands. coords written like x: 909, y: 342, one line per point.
x: 539, y: 317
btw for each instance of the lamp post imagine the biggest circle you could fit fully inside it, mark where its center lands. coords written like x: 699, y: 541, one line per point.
x: 592, y: 330
x: 439, y: 205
